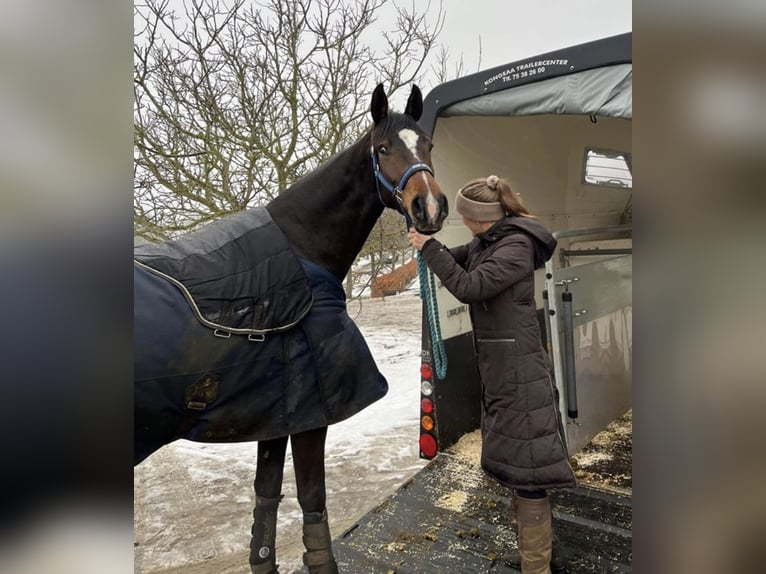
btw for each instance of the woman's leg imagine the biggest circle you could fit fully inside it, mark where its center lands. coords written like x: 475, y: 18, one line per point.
x: 535, y: 531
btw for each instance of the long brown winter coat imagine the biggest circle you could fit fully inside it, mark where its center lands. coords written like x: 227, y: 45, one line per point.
x: 522, y: 445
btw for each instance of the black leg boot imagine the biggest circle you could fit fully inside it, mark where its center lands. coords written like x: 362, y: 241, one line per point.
x: 316, y: 538
x: 263, y: 559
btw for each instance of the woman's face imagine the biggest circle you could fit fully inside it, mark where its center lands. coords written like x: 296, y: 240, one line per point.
x: 476, y: 227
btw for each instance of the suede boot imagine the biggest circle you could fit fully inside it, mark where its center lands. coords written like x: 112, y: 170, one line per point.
x: 512, y: 556
x: 535, y: 534
x: 558, y: 564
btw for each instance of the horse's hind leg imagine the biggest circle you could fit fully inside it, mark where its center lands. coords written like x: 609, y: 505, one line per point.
x: 268, y: 484
x: 308, y: 460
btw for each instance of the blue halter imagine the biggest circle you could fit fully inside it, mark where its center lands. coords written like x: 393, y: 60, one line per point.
x: 396, y: 192
x: 426, y: 275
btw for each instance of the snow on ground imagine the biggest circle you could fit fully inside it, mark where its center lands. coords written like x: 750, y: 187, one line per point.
x: 193, y: 502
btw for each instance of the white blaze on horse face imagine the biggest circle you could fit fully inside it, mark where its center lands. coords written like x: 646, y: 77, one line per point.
x: 432, y: 206
x: 410, y: 139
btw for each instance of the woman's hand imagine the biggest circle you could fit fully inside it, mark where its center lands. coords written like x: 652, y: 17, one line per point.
x: 417, y: 240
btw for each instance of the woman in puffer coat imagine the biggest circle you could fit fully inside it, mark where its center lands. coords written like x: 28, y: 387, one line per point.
x: 522, y: 436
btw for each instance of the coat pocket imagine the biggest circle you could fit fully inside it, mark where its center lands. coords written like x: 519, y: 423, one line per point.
x: 498, y: 365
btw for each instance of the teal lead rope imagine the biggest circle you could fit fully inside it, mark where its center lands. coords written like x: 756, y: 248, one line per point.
x: 428, y: 294
x: 427, y: 281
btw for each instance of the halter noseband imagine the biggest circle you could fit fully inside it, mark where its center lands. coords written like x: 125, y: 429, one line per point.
x: 396, y: 191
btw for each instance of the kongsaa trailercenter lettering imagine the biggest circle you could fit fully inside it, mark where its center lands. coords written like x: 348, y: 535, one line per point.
x: 524, y: 70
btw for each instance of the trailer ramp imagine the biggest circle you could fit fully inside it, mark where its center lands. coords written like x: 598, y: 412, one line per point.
x: 451, y: 518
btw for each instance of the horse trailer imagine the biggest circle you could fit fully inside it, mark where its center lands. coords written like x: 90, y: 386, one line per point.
x: 557, y: 127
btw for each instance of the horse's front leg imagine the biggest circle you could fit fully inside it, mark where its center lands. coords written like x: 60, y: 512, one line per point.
x: 308, y: 460
x: 268, y: 485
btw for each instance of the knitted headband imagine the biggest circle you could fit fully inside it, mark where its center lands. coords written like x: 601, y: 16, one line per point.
x: 478, y: 210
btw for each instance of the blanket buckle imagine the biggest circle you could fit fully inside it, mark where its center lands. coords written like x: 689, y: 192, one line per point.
x: 222, y: 334
x: 197, y: 397
x: 256, y: 338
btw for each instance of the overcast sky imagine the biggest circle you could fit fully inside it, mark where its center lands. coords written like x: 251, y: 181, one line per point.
x: 515, y: 29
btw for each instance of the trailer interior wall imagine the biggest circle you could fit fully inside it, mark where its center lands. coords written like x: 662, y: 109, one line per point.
x: 542, y: 156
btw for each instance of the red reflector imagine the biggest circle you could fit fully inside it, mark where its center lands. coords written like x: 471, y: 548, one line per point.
x: 428, y: 445
x: 426, y: 405
x: 425, y: 371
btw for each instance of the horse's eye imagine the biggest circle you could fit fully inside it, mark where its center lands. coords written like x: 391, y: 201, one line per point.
x: 383, y: 150
x: 430, y: 146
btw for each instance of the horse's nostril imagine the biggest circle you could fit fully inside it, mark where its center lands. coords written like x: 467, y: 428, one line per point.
x: 419, y: 207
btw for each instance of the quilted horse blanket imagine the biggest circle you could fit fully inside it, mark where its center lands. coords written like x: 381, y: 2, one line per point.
x: 236, y: 339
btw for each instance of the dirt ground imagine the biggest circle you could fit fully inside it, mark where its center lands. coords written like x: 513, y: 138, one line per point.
x: 194, y: 516
x: 195, y: 522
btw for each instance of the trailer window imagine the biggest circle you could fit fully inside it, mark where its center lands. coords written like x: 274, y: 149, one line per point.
x: 608, y: 168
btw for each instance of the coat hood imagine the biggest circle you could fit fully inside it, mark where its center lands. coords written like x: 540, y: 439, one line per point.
x: 542, y: 239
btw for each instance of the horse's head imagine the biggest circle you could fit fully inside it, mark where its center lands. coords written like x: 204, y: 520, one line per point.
x: 401, y: 156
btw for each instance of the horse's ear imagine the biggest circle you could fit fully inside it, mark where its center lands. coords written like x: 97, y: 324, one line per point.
x: 414, y: 107
x: 379, y: 107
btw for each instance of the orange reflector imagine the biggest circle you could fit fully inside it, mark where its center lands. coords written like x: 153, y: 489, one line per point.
x: 425, y: 371
x: 427, y: 445
x: 427, y: 422
x: 426, y: 406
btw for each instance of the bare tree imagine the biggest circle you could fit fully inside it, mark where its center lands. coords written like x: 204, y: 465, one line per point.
x: 234, y: 102
x: 440, y: 69
x: 385, y: 249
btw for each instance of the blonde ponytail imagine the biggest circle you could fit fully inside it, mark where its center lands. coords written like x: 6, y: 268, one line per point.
x: 493, y: 189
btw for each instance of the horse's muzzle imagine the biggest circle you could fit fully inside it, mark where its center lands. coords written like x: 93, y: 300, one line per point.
x: 429, y: 212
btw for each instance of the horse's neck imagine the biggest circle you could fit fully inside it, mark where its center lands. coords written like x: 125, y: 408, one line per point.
x: 328, y: 215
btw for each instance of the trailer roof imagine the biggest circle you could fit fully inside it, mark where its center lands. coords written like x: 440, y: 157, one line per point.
x: 592, y: 78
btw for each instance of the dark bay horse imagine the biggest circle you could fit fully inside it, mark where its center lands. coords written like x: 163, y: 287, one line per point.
x: 286, y: 364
